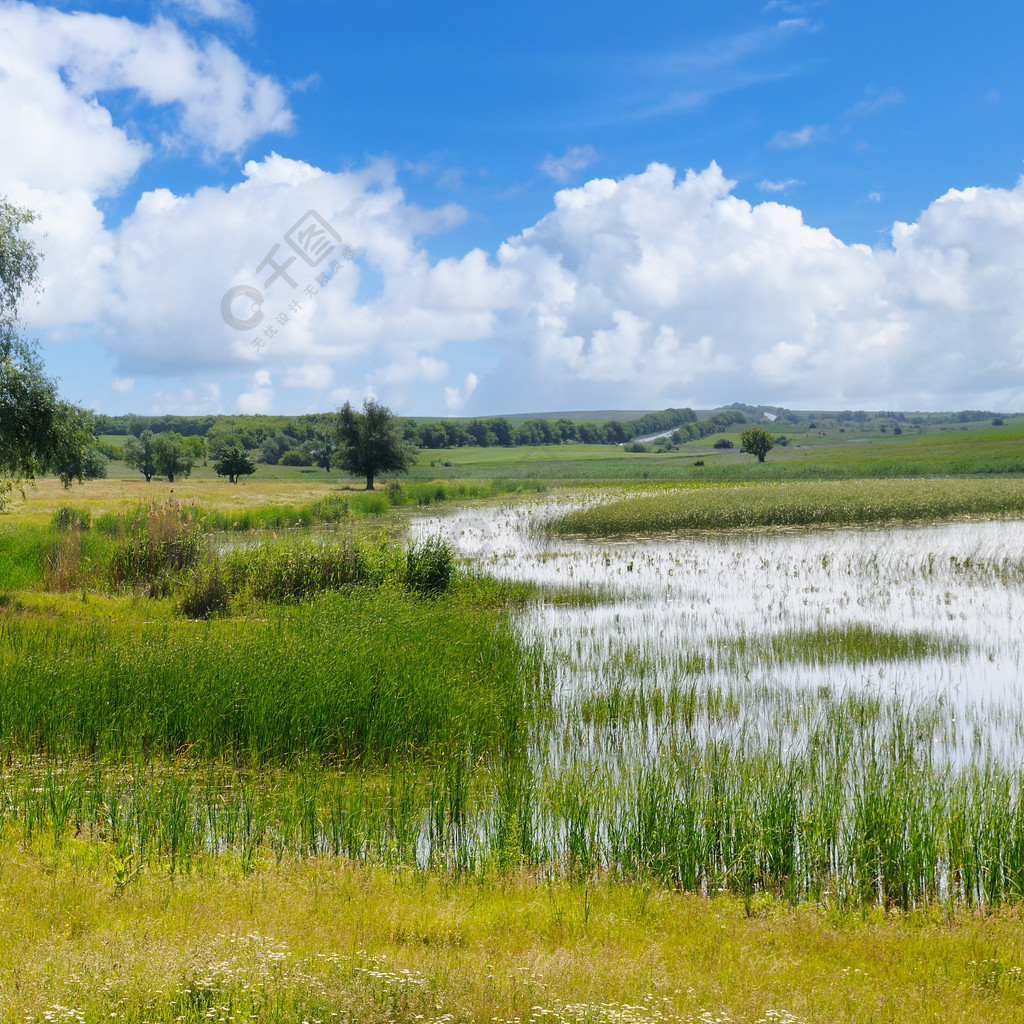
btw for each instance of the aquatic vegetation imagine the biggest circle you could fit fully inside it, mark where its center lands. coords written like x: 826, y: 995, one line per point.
x: 795, y: 503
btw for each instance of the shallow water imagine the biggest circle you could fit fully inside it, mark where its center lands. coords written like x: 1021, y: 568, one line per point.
x: 670, y: 598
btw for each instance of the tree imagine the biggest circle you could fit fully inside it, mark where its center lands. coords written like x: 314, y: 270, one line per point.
x: 371, y: 442
x: 78, y: 452
x: 322, y: 449
x: 140, y: 454
x: 171, y: 456
x: 38, y: 431
x: 196, y: 447
x: 756, y: 441
x: 234, y: 461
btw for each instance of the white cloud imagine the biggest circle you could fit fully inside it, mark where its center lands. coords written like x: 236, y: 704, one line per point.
x: 456, y: 398
x: 651, y: 289
x: 216, y: 10
x: 260, y: 396
x: 123, y: 385
x: 58, y: 66
x: 766, y: 185
x: 314, y: 376
x: 662, y: 287
x: 806, y: 136
x: 197, y: 401
x: 565, y: 167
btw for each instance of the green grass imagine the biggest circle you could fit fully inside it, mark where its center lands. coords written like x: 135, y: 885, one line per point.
x: 365, y: 676
x: 302, y: 941
x: 796, y: 503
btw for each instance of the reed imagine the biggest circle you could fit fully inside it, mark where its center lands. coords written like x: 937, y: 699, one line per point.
x: 796, y: 503
x: 365, y: 675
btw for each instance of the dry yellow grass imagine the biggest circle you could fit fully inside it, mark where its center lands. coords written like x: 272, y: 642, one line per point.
x: 321, y: 940
x: 42, y: 497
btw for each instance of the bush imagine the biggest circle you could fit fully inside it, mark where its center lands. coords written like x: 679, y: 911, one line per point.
x: 295, y: 457
x: 723, y: 442
x: 636, y: 446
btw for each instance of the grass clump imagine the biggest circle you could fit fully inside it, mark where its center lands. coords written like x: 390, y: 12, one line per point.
x: 855, y: 644
x: 289, y: 572
x: 157, y: 543
x: 796, y: 503
x: 429, y: 566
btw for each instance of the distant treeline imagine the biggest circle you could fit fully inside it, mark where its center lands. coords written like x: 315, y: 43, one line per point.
x: 297, y: 440
x: 861, y: 416
x: 500, y: 432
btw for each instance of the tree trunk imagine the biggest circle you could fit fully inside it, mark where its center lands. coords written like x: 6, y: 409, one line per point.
x: 231, y: 478
x: 369, y: 481
x: 170, y: 478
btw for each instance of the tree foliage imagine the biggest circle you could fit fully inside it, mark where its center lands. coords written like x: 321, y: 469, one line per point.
x: 756, y: 441
x: 38, y: 431
x: 371, y: 442
x: 140, y: 454
x: 172, y: 456
x: 322, y: 449
x: 233, y: 462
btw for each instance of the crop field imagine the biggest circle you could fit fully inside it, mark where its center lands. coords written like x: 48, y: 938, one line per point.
x: 486, y: 749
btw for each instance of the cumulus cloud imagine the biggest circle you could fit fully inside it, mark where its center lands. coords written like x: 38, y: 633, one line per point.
x: 455, y: 398
x: 652, y: 289
x: 59, y: 65
x: 565, y: 167
x: 260, y: 396
x: 667, y: 287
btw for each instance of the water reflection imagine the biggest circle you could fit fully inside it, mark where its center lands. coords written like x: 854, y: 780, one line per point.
x: 672, y: 602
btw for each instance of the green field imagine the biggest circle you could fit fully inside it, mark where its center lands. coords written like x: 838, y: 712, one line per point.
x: 811, y: 454
x: 260, y: 761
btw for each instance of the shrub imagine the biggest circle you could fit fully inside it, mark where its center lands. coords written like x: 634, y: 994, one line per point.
x: 723, y: 442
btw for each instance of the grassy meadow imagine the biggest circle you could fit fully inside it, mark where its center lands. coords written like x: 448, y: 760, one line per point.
x: 261, y: 759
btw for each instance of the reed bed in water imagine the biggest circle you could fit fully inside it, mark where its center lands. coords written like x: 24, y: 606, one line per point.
x: 850, y: 801
x: 796, y: 503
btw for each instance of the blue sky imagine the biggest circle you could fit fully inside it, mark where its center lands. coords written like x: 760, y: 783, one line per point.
x: 528, y: 207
